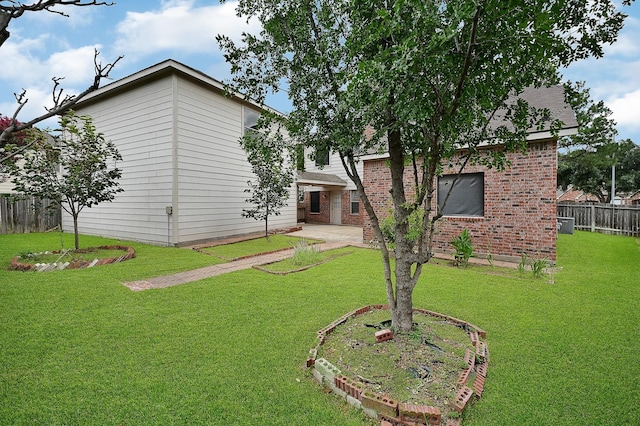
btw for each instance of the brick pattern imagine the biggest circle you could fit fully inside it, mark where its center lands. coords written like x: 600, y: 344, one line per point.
x: 383, y: 335
x: 324, y: 217
x: 519, y: 210
x: 469, y: 358
x: 464, y: 376
x: 385, y: 408
x: 418, y: 413
x: 346, y: 216
x: 381, y: 403
x: 462, y: 398
x: 325, y: 208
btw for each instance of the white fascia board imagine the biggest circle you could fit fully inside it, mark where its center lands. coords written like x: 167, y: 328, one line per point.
x: 322, y: 183
x: 164, y: 67
x: 531, y: 137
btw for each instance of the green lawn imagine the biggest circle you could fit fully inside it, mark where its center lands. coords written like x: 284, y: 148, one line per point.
x: 78, y: 348
x: 255, y: 246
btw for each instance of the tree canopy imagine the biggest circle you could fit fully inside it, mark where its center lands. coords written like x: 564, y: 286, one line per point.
x: 590, y: 169
x: 429, y: 77
x: 76, y: 169
x: 586, y: 159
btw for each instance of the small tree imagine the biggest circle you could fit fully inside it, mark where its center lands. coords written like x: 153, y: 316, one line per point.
x: 76, y: 169
x: 269, y: 192
x: 9, y: 145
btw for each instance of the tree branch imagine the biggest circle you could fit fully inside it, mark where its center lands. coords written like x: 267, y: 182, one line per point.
x: 60, y: 104
x: 16, y: 10
x: 467, y: 60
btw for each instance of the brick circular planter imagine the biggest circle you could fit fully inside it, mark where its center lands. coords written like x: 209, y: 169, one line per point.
x: 385, y: 408
x: 18, y: 265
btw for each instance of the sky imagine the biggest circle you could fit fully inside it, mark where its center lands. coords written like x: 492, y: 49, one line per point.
x: 46, y: 45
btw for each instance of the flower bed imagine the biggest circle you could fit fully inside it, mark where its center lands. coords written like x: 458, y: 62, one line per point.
x: 19, y: 263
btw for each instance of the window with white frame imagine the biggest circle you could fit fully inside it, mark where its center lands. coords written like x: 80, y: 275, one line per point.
x: 463, y: 196
x: 250, y: 119
x: 355, y: 202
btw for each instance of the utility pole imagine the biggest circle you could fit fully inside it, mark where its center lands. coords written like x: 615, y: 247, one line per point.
x: 613, y: 183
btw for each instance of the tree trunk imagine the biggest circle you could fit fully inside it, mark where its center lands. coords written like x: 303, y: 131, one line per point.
x: 75, y: 231
x: 266, y: 223
x: 402, y: 315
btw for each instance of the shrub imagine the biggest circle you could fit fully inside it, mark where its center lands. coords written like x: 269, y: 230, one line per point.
x: 464, y: 248
x: 305, y: 254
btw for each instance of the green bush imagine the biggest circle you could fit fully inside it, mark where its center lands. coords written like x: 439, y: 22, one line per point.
x: 463, y: 248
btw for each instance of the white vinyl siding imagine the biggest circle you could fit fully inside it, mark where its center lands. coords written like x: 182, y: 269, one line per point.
x: 179, y: 140
x: 334, y: 168
x: 213, y: 169
x: 139, y: 122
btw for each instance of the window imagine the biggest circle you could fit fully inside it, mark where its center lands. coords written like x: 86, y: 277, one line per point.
x: 322, y: 157
x: 355, y: 202
x: 467, y: 195
x: 315, y: 201
x: 250, y: 118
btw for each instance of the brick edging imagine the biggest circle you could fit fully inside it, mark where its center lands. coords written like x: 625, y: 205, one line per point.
x: 16, y: 265
x: 384, y: 408
x: 248, y: 256
x: 304, y: 268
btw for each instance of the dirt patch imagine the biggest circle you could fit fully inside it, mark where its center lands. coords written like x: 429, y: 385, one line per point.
x: 435, y: 368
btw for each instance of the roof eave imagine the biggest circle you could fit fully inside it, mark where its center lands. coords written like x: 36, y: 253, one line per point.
x: 166, y: 67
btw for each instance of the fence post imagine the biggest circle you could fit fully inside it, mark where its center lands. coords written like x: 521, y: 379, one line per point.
x: 593, y: 218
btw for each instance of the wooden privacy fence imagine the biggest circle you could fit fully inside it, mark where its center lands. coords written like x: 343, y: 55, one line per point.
x: 605, y: 218
x: 27, y: 215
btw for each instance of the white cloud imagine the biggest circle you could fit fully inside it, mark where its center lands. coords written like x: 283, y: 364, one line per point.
x: 27, y: 68
x: 75, y: 65
x: 76, y: 17
x: 38, y: 98
x: 626, y: 110
x: 24, y: 64
x: 627, y: 43
x: 181, y: 27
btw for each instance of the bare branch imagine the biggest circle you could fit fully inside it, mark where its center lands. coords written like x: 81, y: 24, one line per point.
x: 60, y: 106
x: 16, y: 9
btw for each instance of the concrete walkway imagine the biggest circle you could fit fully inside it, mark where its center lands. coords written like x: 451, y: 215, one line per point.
x: 335, y: 237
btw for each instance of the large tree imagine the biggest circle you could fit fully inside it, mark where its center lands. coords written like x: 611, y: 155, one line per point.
x: 430, y: 77
x: 76, y: 169
x: 586, y: 159
x: 590, y: 169
x: 10, y: 10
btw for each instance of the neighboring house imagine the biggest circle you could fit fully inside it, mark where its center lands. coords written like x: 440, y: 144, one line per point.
x: 506, y: 213
x: 184, y: 172
x: 633, y: 199
x: 576, y: 196
x: 328, y: 196
x: 6, y: 187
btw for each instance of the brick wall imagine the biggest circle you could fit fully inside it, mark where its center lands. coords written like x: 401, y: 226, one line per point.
x: 324, y: 217
x: 325, y: 208
x: 519, y: 205
x: 346, y: 216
